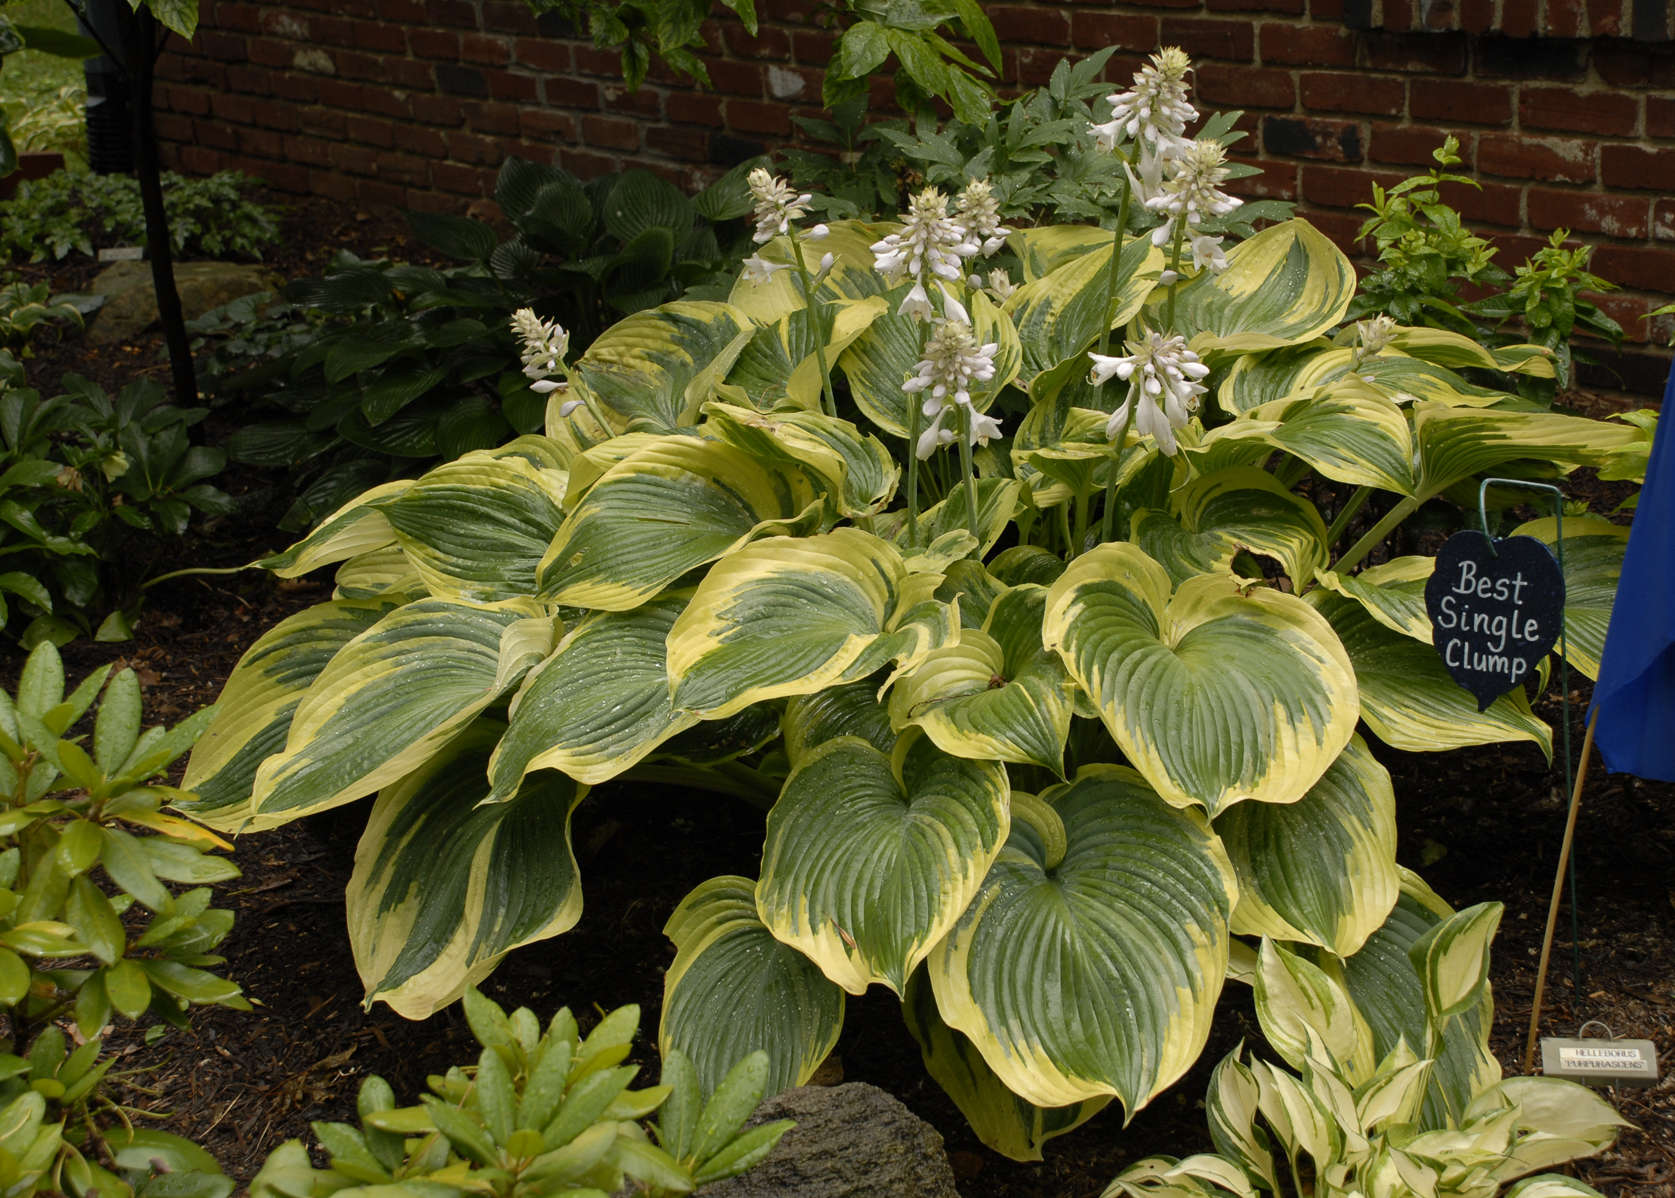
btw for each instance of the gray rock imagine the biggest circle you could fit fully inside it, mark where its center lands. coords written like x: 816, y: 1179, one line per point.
x: 851, y: 1141
x: 131, y: 305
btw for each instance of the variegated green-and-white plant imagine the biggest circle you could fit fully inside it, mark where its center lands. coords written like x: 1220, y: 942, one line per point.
x: 1035, y: 779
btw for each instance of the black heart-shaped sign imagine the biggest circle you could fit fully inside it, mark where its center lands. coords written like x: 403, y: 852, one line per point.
x: 1496, y: 609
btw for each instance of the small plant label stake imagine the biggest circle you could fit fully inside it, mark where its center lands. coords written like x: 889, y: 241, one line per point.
x: 1607, y: 1062
x: 1496, y: 607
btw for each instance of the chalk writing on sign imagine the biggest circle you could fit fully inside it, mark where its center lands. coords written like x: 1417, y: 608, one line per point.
x: 1495, y: 610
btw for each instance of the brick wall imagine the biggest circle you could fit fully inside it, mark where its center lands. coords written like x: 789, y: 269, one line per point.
x: 1565, y: 109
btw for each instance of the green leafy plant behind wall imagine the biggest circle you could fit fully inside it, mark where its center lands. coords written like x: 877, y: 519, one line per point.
x: 1038, y: 581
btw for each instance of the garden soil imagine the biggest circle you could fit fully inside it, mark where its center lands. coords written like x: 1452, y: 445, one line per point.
x: 1480, y: 824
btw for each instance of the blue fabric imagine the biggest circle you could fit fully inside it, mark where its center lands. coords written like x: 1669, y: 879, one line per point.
x: 1635, y: 695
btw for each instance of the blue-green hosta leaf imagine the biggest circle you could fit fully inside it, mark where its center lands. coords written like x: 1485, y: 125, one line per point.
x: 856, y: 467
x: 1284, y: 286
x: 1090, y: 961
x: 1591, y: 556
x: 355, y: 528
x: 780, y: 366
x: 998, y: 694
x: 849, y: 709
x: 1388, y: 991
x: 1408, y: 699
x: 884, y: 357
x: 658, y: 366
x: 870, y: 859
x: 1216, y: 515
x: 476, y: 528
x: 1393, y: 593
x: 667, y: 509
x: 793, y: 615
x: 1060, y: 314
x: 599, y: 704
x: 1217, y: 693
x: 1004, y: 1122
x: 1351, y: 435
x: 391, y: 697
x: 445, y: 884
x: 1460, y: 443
x: 734, y: 989
x: 253, y: 714
x: 1323, y: 869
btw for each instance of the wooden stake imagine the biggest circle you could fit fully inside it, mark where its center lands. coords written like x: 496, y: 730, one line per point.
x: 1558, y: 891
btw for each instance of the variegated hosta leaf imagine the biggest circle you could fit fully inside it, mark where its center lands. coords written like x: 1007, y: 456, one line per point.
x: 792, y: 615
x: 254, y: 712
x: 856, y: 467
x: 1284, y: 286
x: 1301, y: 1006
x: 780, y: 367
x: 1552, y: 1185
x: 851, y: 709
x: 1060, y: 314
x: 656, y: 367
x: 1322, y: 869
x: 599, y: 704
x: 1044, y: 249
x: 1090, y: 961
x: 1026, y: 563
x: 1461, y: 443
x: 853, y: 275
x: 870, y: 859
x: 1230, y: 1108
x: 997, y: 503
x: 733, y: 989
x: 1387, y: 990
x: 888, y: 353
x: 1218, y: 693
x: 1453, y: 960
x: 1351, y: 434
x: 969, y: 583
x: 1216, y: 515
x: 355, y: 528
x: 445, y: 884
x: 379, y: 573
x: 1460, y: 352
x: 999, y: 694
x: 1591, y: 556
x: 665, y: 510
x: 1408, y: 699
x: 589, y: 465
x: 1004, y: 1122
x: 1305, y: 371
x: 1393, y: 593
x: 477, y: 527
x: 1558, y: 1121
x: 391, y: 698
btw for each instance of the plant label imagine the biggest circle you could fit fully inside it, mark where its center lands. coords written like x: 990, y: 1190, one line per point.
x: 1495, y: 610
x: 1601, y: 1062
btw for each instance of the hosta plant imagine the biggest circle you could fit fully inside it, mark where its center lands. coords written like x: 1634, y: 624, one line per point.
x: 1387, y: 1084
x: 1045, y: 598
x: 91, y: 929
x: 543, y: 1114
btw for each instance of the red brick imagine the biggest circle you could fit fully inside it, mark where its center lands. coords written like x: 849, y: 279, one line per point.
x: 1642, y: 269
x: 697, y: 110
x: 1016, y: 23
x: 749, y: 116
x: 240, y: 18
x: 460, y: 13
x: 1372, y: 94
x: 1565, y: 18
x: 564, y: 92
x: 1630, y: 312
x: 1519, y: 156
x: 1306, y: 45
x: 587, y: 164
x: 1605, y: 18
x: 1200, y: 38
x: 1487, y: 204
x: 492, y: 118
x: 236, y: 109
x: 1229, y: 86
x: 590, y: 60
x: 175, y: 98
x: 1518, y: 20
x: 1131, y: 31
x: 308, y: 149
x: 1422, y: 53
x: 1278, y: 180
x: 736, y: 78
x: 281, y: 117
x: 813, y: 45
x: 266, y: 143
x: 378, y: 195
x: 1477, y: 16
x: 377, y: 35
x: 1456, y: 102
x: 517, y: 89
x: 334, y: 186
x: 1637, y: 167
x: 1612, y: 215
x: 1623, y: 63
x: 769, y: 42
x: 612, y: 133
x: 1339, y: 227
x: 1663, y: 219
x: 326, y: 122
x: 371, y: 131
x: 1605, y: 112
x: 542, y: 54
x: 1299, y: 137
x: 1291, y: 7
x: 1660, y: 116
x: 270, y: 53
x: 1340, y: 187
x: 419, y: 140
x: 437, y: 110
x: 282, y: 22
x: 688, y: 143
x: 485, y: 49
x: 1410, y: 145
x: 401, y: 168
x: 200, y: 160
x: 541, y: 124
x: 507, y: 16
x: 173, y: 127
x: 619, y: 101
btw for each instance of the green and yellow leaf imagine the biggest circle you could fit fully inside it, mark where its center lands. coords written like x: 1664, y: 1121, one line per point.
x: 1286, y: 285
x: 656, y: 368
x: 1591, y: 556
x: 1216, y: 516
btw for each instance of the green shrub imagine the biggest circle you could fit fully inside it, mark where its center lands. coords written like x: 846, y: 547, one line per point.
x: 80, y: 212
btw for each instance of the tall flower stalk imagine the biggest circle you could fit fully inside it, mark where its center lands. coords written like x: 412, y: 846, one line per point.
x: 777, y: 209
x: 544, y: 344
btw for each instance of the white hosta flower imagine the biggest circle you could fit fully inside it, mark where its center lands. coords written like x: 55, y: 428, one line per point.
x: 544, y: 344
x: 1163, y: 386
x: 1192, y: 193
x: 953, y: 361
x: 1375, y: 335
x: 1207, y: 251
x: 984, y: 428
x: 930, y: 242
x: 997, y: 283
x: 1155, y: 106
x: 776, y: 205
x: 917, y: 303
x: 979, y: 211
x: 758, y: 270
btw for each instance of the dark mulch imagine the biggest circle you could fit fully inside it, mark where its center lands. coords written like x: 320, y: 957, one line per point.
x: 1481, y: 824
